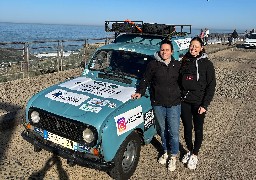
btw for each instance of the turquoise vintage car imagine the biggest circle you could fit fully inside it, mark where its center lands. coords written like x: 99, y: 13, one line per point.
x: 91, y: 120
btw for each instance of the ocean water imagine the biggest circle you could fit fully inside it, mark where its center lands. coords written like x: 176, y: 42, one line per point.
x: 20, y: 32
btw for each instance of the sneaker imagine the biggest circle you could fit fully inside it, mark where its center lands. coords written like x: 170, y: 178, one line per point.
x: 163, y: 158
x: 192, y: 162
x: 172, y: 164
x: 186, y: 158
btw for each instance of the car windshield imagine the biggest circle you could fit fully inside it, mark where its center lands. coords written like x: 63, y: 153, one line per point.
x: 127, y: 63
x: 252, y: 36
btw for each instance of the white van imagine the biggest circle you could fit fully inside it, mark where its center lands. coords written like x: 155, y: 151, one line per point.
x: 250, y: 41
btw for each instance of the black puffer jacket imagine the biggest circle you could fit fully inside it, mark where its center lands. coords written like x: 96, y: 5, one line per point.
x: 163, y: 81
x: 197, y: 77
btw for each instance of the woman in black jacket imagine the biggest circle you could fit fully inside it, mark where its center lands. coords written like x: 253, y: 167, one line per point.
x: 197, y: 77
x: 162, y: 77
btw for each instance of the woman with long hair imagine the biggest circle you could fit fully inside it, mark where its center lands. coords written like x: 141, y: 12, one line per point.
x: 197, y: 79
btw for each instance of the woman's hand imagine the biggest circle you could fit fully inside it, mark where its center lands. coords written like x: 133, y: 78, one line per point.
x: 136, y: 96
x: 201, y: 110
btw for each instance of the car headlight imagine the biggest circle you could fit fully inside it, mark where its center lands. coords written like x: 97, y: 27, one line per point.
x: 35, y: 118
x: 88, y: 135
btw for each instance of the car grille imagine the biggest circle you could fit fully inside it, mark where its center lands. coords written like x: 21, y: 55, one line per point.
x: 61, y: 126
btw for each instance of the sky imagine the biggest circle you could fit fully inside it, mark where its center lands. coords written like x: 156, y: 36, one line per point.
x: 217, y: 14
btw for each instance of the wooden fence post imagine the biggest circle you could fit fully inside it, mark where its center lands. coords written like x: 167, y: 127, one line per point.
x: 60, y: 55
x: 26, y: 59
x: 85, y: 51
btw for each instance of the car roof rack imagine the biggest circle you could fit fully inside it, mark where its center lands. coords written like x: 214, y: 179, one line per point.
x: 139, y: 27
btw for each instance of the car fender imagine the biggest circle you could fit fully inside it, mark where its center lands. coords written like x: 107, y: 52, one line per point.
x: 112, y: 134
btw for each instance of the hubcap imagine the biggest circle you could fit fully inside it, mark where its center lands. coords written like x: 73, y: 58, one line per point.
x: 129, y: 155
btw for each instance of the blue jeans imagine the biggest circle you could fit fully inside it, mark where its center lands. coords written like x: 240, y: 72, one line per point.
x: 169, y: 122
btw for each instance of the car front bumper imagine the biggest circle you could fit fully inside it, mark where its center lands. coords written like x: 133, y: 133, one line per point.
x: 251, y: 45
x: 80, y: 158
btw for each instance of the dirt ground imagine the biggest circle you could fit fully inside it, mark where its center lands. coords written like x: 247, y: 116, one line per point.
x: 228, y: 150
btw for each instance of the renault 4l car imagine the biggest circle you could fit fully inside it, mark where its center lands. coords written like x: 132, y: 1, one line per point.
x: 91, y: 120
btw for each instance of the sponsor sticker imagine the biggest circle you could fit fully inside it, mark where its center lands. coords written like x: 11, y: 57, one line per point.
x: 112, y: 105
x: 86, y: 107
x: 100, y: 88
x: 189, y: 78
x: 85, y: 72
x: 183, y: 43
x: 128, y: 120
x: 149, y: 119
x: 98, y: 102
x: 67, y: 97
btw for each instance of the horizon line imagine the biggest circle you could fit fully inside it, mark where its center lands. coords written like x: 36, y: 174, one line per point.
x: 70, y: 24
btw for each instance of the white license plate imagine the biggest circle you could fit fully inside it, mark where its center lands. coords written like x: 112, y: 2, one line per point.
x: 61, y: 141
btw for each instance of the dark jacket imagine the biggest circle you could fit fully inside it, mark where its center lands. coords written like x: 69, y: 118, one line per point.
x: 197, y: 78
x: 234, y: 34
x: 163, y: 81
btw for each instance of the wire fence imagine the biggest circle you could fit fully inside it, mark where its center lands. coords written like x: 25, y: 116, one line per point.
x: 28, y: 59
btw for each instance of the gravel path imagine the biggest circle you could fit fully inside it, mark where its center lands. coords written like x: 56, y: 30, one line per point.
x: 228, y: 150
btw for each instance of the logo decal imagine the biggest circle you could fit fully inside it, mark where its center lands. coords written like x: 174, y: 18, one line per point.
x: 121, y: 124
x: 129, y: 120
x: 189, y: 78
x: 67, y: 97
x: 85, y: 107
x: 149, y: 119
x: 99, y: 102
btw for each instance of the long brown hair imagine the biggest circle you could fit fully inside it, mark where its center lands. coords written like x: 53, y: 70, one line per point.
x: 188, y: 55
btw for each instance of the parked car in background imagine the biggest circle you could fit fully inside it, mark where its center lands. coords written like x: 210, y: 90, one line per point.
x: 250, y: 41
x: 91, y: 120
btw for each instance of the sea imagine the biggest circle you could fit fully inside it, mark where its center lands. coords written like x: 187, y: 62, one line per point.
x: 21, y: 32
x: 26, y: 32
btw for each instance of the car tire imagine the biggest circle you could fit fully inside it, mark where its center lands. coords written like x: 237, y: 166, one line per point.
x: 127, y: 157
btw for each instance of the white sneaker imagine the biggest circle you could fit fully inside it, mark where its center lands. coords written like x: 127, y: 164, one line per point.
x: 192, y: 162
x: 186, y: 158
x: 163, y: 158
x: 172, y: 164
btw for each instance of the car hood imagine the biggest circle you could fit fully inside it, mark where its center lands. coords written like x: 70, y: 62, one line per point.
x: 83, y: 99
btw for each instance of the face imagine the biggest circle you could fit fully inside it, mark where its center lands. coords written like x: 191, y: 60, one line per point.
x: 165, y: 51
x: 195, y: 48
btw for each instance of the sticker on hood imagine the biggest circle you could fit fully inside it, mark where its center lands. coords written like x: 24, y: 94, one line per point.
x: 67, y: 97
x: 100, y: 88
x: 99, y: 102
x: 85, y: 107
x: 128, y: 120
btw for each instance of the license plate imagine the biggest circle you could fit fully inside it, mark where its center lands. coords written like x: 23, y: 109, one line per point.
x: 61, y: 141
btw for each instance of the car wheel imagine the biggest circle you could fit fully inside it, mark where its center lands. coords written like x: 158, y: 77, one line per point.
x: 127, y: 157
